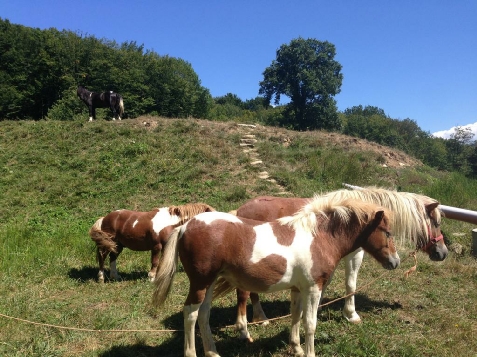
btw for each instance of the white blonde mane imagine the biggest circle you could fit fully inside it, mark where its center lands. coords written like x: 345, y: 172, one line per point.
x: 410, y: 220
x: 336, y: 209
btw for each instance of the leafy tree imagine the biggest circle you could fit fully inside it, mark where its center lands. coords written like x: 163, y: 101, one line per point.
x: 307, y: 73
x: 459, y: 149
x: 39, y: 68
x: 366, y: 111
x: 256, y: 104
x: 229, y: 98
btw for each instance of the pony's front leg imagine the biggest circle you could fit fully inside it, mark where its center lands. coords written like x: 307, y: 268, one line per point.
x: 258, y: 313
x: 296, y: 310
x: 352, y: 264
x: 204, y: 316
x: 92, y: 113
x: 113, y: 110
x: 311, y: 300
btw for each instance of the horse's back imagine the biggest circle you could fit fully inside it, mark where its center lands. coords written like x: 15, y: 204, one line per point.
x: 269, y: 208
x: 115, y: 220
x: 214, y: 234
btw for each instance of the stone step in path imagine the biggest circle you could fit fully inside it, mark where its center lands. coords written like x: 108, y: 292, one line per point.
x: 247, y: 144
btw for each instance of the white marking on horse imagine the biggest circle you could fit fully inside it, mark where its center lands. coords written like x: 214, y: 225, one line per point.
x: 209, y: 217
x: 163, y: 219
x: 297, y: 254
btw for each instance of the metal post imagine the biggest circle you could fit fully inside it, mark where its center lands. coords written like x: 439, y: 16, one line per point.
x: 474, y: 242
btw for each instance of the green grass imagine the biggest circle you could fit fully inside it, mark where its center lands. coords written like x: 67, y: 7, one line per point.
x: 57, y: 178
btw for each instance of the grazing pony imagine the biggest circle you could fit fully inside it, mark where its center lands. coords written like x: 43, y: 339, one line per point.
x: 138, y: 231
x: 220, y: 251
x: 111, y: 100
x: 417, y: 221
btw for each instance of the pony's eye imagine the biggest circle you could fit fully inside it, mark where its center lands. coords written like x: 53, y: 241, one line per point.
x: 388, y: 234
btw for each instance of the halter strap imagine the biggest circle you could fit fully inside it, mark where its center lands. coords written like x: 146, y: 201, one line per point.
x: 433, y: 240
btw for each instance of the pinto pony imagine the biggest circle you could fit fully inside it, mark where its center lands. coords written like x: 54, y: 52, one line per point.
x: 220, y: 251
x: 138, y: 231
x: 111, y: 100
x: 417, y: 222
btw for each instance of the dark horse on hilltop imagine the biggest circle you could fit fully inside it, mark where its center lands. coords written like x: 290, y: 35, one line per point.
x: 111, y: 100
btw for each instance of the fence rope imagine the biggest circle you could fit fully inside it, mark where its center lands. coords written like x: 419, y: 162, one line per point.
x: 80, y: 329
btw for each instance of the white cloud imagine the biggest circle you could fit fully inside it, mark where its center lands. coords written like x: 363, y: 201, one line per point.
x: 445, y: 134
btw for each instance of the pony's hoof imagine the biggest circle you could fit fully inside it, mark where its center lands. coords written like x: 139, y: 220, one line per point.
x: 261, y: 321
x: 354, y: 319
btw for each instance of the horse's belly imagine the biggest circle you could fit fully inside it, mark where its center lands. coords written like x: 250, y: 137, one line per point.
x: 263, y: 278
x: 138, y: 244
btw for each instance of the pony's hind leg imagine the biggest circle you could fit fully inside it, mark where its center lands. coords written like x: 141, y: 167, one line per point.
x: 197, y: 307
x: 101, y: 254
x: 155, y: 252
x: 241, y: 322
x: 113, y: 274
x: 204, y: 326
x: 190, y: 318
x: 258, y: 313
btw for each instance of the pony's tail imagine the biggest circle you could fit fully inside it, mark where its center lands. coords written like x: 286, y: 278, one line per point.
x: 167, y: 268
x: 121, y: 107
x: 103, y: 240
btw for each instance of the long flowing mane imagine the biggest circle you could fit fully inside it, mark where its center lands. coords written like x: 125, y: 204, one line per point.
x: 189, y: 210
x: 337, y: 212
x: 410, y: 220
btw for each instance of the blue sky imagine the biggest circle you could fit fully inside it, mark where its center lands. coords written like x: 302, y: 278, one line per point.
x: 413, y: 59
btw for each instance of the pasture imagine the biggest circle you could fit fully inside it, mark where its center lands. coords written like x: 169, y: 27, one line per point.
x: 57, y: 178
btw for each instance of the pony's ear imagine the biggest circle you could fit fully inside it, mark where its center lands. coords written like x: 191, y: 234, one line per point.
x: 174, y: 210
x: 431, y: 206
x: 379, y: 215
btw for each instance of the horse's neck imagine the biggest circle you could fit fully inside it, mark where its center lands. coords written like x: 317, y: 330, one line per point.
x: 337, y: 242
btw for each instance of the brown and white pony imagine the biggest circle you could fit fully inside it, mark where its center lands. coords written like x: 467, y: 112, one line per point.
x: 220, y: 251
x: 138, y: 231
x: 417, y: 221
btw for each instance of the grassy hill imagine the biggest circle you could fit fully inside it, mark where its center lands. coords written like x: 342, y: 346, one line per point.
x: 57, y: 178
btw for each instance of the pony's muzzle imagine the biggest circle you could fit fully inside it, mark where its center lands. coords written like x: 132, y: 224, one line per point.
x: 392, y: 263
x: 438, y: 253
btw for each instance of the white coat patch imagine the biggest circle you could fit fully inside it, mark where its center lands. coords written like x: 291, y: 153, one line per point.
x: 209, y: 217
x: 163, y: 219
x: 297, y: 254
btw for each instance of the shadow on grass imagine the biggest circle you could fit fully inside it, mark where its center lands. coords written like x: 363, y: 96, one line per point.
x: 221, y: 317
x: 227, y: 346
x: 89, y: 273
x: 228, y: 343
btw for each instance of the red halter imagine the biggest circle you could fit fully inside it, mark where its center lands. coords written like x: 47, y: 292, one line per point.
x: 433, y: 240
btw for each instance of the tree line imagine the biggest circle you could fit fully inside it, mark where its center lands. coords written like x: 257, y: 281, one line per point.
x: 41, y: 69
